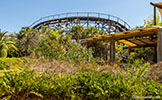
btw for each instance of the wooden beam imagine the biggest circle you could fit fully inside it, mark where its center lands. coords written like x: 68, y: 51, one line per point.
x: 112, y: 51
x: 133, y: 42
x: 159, y: 45
x: 142, y: 41
x: 156, y: 5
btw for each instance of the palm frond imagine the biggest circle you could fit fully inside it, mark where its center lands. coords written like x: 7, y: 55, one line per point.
x: 13, y: 46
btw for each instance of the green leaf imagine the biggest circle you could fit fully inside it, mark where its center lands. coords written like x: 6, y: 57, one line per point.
x: 3, y: 53
x: 37, y: 94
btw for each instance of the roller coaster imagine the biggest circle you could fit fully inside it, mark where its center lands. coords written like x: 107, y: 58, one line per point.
x: 106, y: 22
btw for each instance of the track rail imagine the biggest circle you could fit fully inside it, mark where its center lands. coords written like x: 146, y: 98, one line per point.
x: 102, y: 21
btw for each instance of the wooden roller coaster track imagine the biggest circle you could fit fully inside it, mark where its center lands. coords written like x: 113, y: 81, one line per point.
x: 108, y: 23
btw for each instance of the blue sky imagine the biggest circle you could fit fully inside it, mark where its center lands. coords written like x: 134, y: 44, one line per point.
x: 18, y: 13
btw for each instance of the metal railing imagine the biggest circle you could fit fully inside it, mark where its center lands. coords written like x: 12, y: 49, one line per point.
x: 82, y: 14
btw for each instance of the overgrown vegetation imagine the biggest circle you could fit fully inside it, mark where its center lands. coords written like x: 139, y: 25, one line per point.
x: 55, y: 64
x: 27, y: 83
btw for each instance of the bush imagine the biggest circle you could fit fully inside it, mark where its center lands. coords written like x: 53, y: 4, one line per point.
x: 13, y: 63
x: 18, y: 85
x: 86, y: 86
x: 54, y: 50
x: 3, y: 65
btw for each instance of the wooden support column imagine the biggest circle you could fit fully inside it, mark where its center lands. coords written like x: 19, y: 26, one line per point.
x: 107, y: 53
x: 155, y: 54
x: 129, y: 51
x: 112, y: 51
x: 154, y: 15
x: 154, y: 12
x: 159, y: 45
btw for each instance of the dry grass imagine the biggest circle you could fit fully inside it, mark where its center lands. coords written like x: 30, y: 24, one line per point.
x: 155, y: 72
x: 56, y: 66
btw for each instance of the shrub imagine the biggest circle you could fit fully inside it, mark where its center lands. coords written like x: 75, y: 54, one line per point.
x: 54, y: 50
x: 3, y: 65
x: 18, y: 85
x: 86, y: 86
x: 13, y: 63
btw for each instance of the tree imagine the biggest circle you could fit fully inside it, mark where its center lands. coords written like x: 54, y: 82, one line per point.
x: 6, y: 43
x: 77, y: 32
x: 26, y: 38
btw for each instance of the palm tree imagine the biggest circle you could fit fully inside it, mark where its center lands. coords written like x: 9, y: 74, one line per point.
x: 26, y: 38
x: 6, y: 43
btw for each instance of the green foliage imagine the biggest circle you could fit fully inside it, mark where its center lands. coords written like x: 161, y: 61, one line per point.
x: 150, y: 21
x: 54, y: 44
x: 83, y: 85
x: 54, y: 50
x: 146, y: 53
x: 54, y: 35
x: 28, y: 37
x: 121, y: 53
x: 18, y: 85
x: 3, y: 65
x: 134, y: 76
x: 77, y: 32
x: 87, y: 86
x: 13, y: 63
x: 6, y: 43
x: 136, y: 69
x: 4, y: 53
x: 49, y: 49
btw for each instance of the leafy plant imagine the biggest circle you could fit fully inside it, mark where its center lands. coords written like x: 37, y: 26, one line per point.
x: 2, y: 65
x: 83, y: 85
x: 18, y: 85
x: 6, y: 43
x: 68, y: 51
